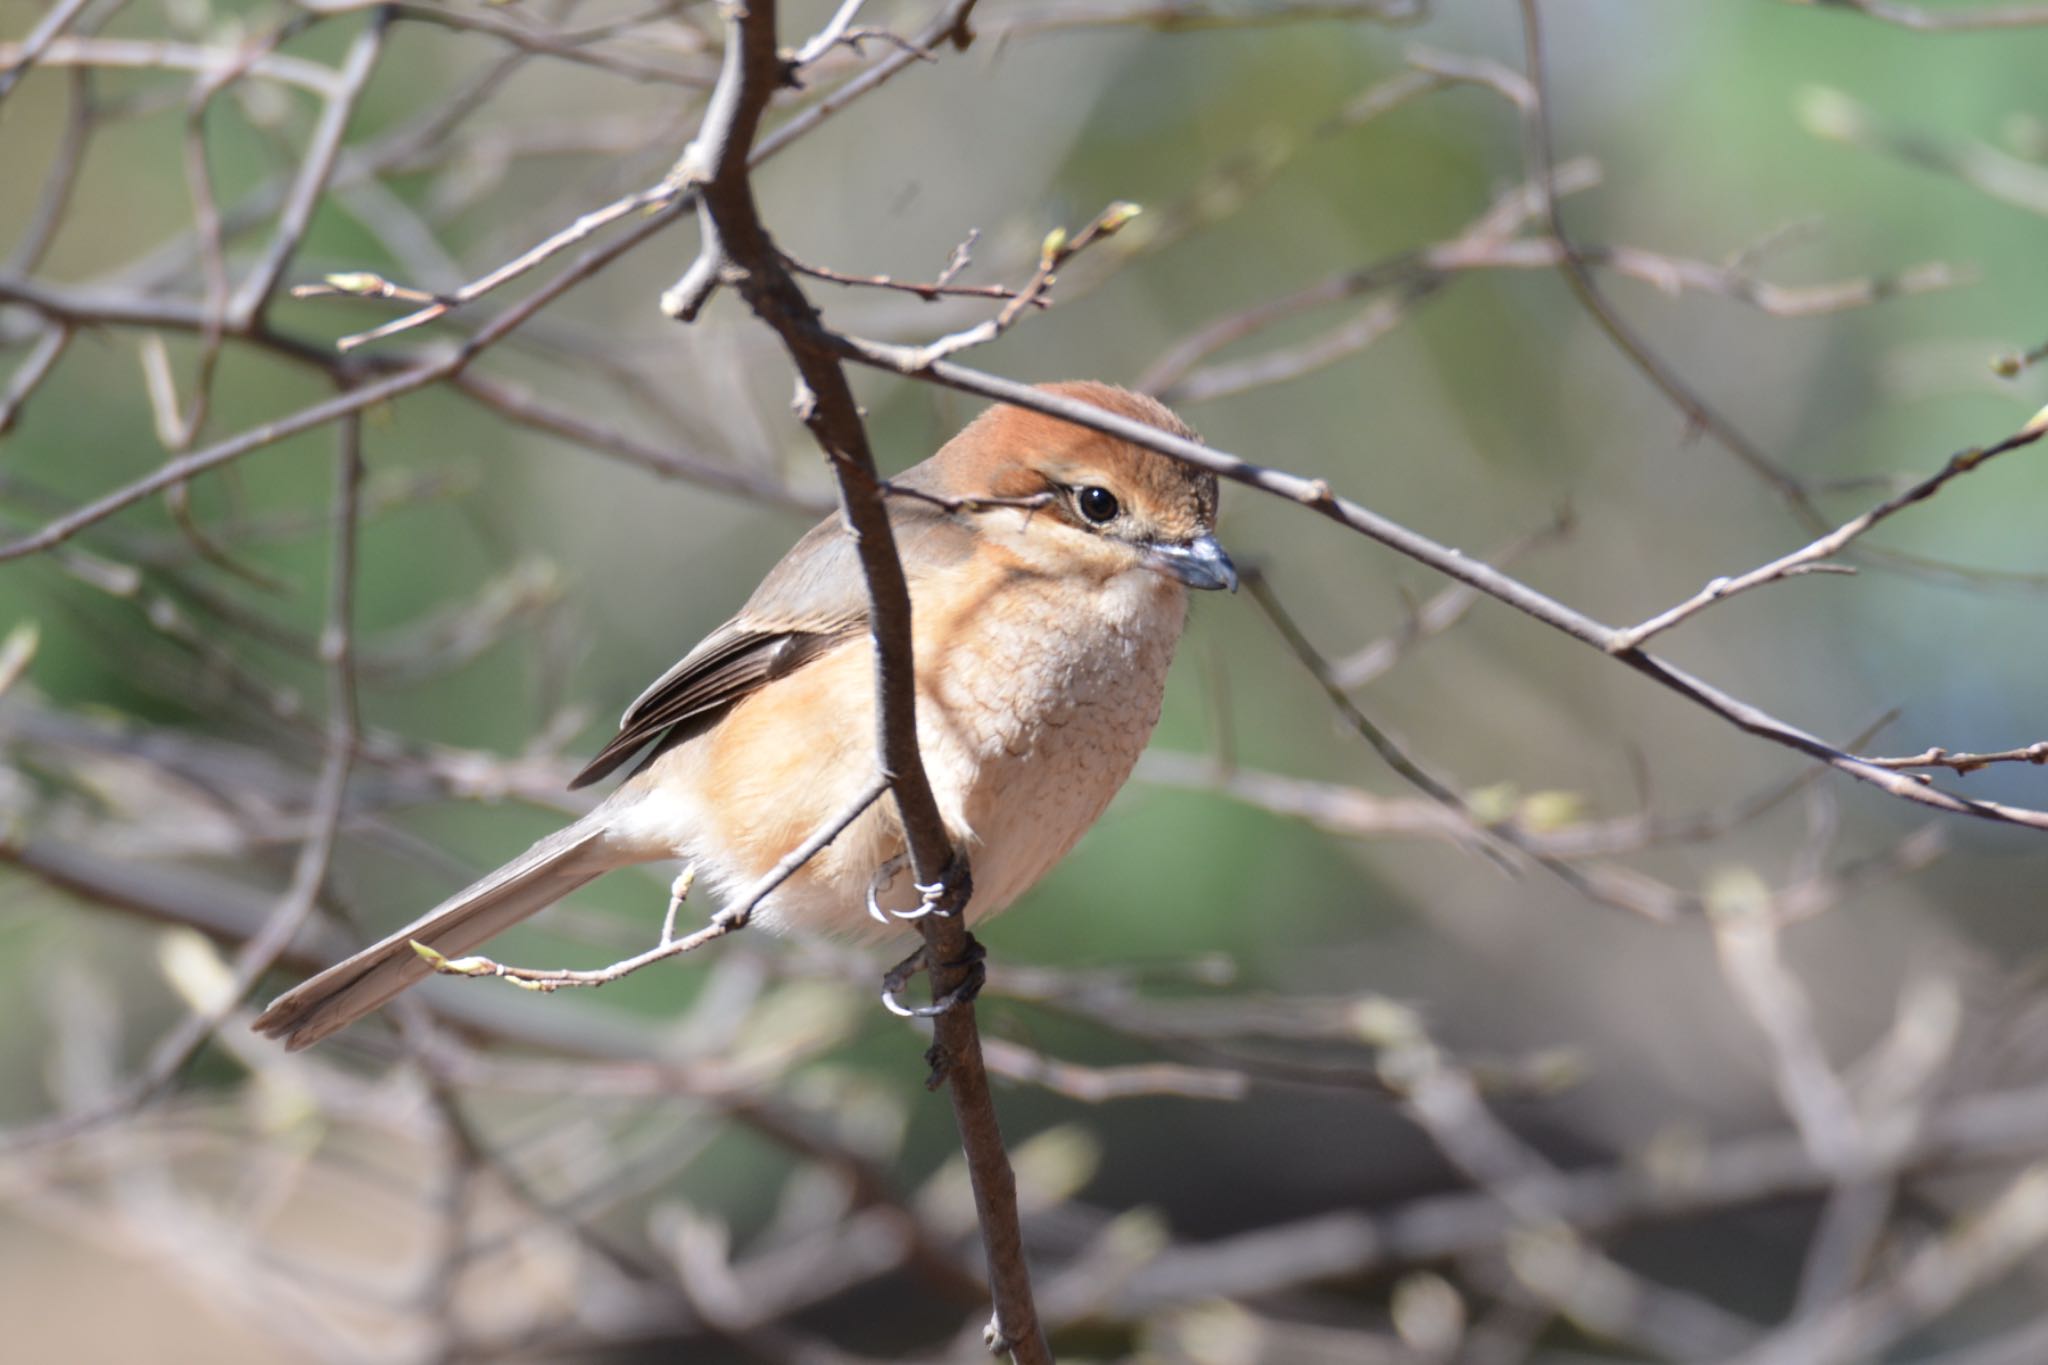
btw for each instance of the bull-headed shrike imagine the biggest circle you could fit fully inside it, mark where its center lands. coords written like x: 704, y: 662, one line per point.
x: 1048, y: 567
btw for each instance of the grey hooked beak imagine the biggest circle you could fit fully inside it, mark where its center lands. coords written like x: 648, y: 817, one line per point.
x: 1200, y: 563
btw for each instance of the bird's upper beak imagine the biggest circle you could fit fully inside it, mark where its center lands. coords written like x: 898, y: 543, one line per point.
x: 1200, y: 563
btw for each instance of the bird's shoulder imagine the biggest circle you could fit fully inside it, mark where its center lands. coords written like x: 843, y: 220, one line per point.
x: 815, y: 598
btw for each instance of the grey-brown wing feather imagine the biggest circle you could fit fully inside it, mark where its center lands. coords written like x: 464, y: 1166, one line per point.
x: 814, y: 599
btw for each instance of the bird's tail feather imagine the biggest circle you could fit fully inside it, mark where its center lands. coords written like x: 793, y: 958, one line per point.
x: 347, y: 991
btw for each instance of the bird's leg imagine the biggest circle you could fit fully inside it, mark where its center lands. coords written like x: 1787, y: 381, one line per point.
x: 954, y: 886
x: 899, y: 976
x: 884, y: 875
x: 678, y: 892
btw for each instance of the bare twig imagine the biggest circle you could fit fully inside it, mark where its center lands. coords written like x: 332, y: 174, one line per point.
x: 206, y: 62
x: 1057, y: 249
x: 1807, y: 559
x: 937, y: 289
x: 654, y: 198
x: 731, y: 917
x: 31, y: 372
x: 1537, y: 150
x: 669, y: 197
x: 1838, y: 117
x: 735, y: 247
x: 316, y: 168
x: 1417, y: 273
x: 368, y: 395
x: 1438, y: 614
x: 1191, y: 15
x: 1316, y: 495
x: 1963, y: 764
x: 1950, y: 20
x: 295, y: 907
x: 52, y: 25
x: 826, y: 38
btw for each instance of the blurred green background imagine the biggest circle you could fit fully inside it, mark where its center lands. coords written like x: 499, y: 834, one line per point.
x: 1495, y: 405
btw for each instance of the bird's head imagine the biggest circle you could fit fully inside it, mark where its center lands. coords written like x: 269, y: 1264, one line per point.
x: 1076, y: 501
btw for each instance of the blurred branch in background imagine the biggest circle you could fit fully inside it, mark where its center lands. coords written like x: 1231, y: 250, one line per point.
x: 1290, y: 1074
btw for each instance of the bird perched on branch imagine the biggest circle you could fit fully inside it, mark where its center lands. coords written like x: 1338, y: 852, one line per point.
x: 1048, y: 568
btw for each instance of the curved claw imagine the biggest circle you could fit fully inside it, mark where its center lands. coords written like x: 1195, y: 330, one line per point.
x: 900, y: 975
x: 938, y: 1007
x: 884, y: 874
x: 929, y: 894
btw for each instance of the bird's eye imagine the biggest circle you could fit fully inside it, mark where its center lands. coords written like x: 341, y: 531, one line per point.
x: 1097, y: 504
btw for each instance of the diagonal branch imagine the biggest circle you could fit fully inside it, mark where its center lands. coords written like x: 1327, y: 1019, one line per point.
x: 1317, y: 496
x: 1698, y: 413
x: 1809, y: 558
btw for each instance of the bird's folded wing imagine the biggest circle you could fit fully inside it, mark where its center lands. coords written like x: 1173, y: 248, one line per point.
x: 814, y: 599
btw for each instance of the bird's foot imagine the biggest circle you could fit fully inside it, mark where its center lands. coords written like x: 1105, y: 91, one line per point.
x: 899, y: 976
x: 993, y: 1336
x: 944, y: 896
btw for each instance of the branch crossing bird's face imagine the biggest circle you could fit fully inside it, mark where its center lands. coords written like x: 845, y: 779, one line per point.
x: 1096, y: 507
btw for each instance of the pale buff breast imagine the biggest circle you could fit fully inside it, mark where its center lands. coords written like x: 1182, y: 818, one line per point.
x: 1031, y: 727
x: 1031, y: 717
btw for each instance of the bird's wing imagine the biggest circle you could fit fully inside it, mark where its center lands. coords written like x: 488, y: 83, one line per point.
x: 814, y: 599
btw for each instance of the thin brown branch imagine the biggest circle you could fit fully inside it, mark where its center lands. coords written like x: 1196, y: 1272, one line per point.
x: 1698, y: 413
x: 735, y: 248
x: 512, y: 27
x: 80, y: 116
x: 730, y: 918
x: 316, y: 168
x: 937, y: 289
x: 1416, y: 271
x: 670, y: 196
x: 517, y: 404
x: 654, y: 198
x: 367, y: 395
x: 1057, y: 250
x: 1317, y: 496
x: 1103, y: 1084
x: 34, y: 368
x: 1963, y: 764
x: 828, y: 37
x: 53, y: 23
x: 1838, y: 117
x: 1479, y: 835
x: 1439, y: 613
x: 145, y: 55
x: 1949, y: 20
x: 1808, y: 558
x: 1172, y: 16
x: 294, y: 909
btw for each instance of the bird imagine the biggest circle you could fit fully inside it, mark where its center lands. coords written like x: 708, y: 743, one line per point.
x: 1049, y: 567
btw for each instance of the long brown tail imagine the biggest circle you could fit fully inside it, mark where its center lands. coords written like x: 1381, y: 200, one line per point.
x: 348, y: 990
